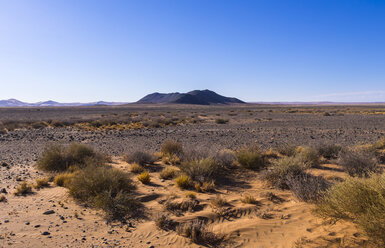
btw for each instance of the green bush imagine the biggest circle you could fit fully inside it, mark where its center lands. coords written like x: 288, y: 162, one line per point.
x: 361, y: 200
x: 251, y: 158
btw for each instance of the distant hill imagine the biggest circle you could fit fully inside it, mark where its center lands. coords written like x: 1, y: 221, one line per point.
x: 17, y: 103
x: 201, y: 97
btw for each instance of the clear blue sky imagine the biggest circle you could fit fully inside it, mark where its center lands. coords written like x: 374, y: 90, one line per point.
x: 261, y: 50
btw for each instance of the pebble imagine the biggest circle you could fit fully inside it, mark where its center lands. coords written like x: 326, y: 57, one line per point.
x: 45, y: 233
x: 49, y: 212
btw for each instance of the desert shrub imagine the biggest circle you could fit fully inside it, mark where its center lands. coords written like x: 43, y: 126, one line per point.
x: 329, y: 150
x: 287, y: 149
x: 171, y: 159
x: 163, y: 222
x: 23, y: 189
x: 195, y: 153
x: 41, y: 183
x: 251, y: 158
x: 53, y: 158
x: 361, y: 200
x: 183, y: 181
x: 168, y: 173
x: 171, y: 147
x: 379, y: 145
x: 358, y: 162
x: 63, y: 179
x: 225, y: 158
x: 39, y: 125
x: 190, y: 195
x: 144, y: 177
x: 308, y: 155
x: 197, y: 231
x: 136, y: 168
x: 58, y: 158
x: 105, y: 188
x: 221, y: 121
x: 307, y: 187
x: 248, y: 199
x: 139, y: 157
x: 201, y: 170
x: 283, y: 168
x: 218, y: 202
x: 177, y: 207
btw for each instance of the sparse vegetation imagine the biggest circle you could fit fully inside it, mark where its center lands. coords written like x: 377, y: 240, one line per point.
x: 41, y: 183
x: 248, y: 199
x: 105, y: 188
x: 329, y: 150
x: 168, y: 173
x: 307, y: 187
x: 221, y: 121
x: 183, y: 181
x: 23, y: 189
x: 197, y: 231
x: 308, y: 155
x: 359, y: 162
x: 140, y: 158
x: 361, y: 200
x: 163, y: 222
x: 218, y: 202
x: 144, y: 177
x: 171, y: 147
x: 201, y: 170
x: 136, y: 168
x: 251, y: 158
x: 63, y: 179
x: 284, y: 168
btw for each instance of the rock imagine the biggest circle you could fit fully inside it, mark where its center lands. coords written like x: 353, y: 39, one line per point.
x: 27, y: 223
x: 45, y: 233
x: 4, y: 191
x: 36, y: 226
x: 49, y: 212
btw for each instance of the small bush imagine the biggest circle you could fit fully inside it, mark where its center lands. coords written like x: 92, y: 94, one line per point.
x: 63, y: 179
x: 171, y: 147
x: 178, y: 207
x: 248, y: 199
x: 140, y: 158
x: 287, y: 149
x: 251, y: 158
x: 329, y: 150
x: 308, y: 155
x: 144, y: 177
x: 197, y: 231
x: 57, y: 158
x: 23, y: 189
x: 105, y: 188
x: 225, y: 158
x: 190, y: 195
x: 171, y: 159
x: 201, y: 170
x: 183, y: 181
x: 136, y: 168
x: 359, y: 162
x: 307, y: 187
x: 218, y: 202
x: 163, y: 222
x: 221, y: 121
x: 279, y: 172
x: 361, y: 200
x: 41, y: 183
x: 168, y: 173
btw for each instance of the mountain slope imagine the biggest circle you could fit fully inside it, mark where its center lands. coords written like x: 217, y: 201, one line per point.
x: 201, y: 97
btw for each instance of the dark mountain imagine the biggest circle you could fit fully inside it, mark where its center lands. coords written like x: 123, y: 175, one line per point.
x: 201, y: 97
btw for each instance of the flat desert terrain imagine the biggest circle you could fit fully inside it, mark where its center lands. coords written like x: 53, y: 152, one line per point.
x: 238, y: 205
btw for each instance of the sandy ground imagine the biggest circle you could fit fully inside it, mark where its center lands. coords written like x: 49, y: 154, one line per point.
x: 24, y: 221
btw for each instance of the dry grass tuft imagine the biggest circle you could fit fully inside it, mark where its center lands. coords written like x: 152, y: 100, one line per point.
x: 171, y: 147
x: 136, y: 168
x: 41, y: 183
x: 248, y: 199
x: 163, y: 222
x: 23, y: 189
x: 201, y: 170
x: 63, y: 179
x: 183, y: 181
x: 168, y: 173
x: 198, y: 232
x: 144, y: 177
x: 251, y: 158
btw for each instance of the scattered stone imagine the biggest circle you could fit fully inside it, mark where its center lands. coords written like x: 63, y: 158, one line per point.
x: 45, y: 233
x: 49, y: 212
x: 36, y: 226
x: 27, y: 223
